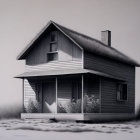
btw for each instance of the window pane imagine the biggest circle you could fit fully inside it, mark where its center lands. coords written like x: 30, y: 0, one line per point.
x: 53, y: 47
x: 122, y: 91
x: 52, y: 56
x: 53, y: 36
x: 125, y: 92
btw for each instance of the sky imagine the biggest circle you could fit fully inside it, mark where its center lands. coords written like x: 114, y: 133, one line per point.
x: 21, y: 20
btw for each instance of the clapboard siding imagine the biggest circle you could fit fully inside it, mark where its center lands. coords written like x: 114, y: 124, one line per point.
x: 109, y: 66
x: 109, y: 101
x: 29, y: 92
x: 64, y: 90
x: 65, y: 87
x: 56, y: 65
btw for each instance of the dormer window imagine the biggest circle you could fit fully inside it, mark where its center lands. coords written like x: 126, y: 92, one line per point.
x: 52, y: 55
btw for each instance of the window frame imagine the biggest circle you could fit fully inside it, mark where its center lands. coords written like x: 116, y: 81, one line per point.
x: 118, y: 96
x: 50, y: 52
x: 55, y: 33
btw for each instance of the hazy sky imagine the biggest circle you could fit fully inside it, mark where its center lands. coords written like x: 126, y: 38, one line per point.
x: 21, y: 20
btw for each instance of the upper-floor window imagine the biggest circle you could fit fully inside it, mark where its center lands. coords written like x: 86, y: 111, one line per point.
x: 52, y: 55
x: 53, y: 36
x: 121, y: 91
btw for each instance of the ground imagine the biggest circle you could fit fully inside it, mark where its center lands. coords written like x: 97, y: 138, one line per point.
x: 43, y: 129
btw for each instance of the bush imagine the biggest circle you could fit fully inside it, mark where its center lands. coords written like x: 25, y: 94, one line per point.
x: 33, y: 107
x: 10, y: 111
x: 71, y: 107
x: 91, y: 104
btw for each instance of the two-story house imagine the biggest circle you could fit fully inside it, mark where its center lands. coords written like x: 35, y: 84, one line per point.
x: 72, y: 76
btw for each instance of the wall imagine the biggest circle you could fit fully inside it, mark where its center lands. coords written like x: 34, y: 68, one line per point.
x: 66, y: 88
x: 69, y: 55
x: 29, y: 93
x: 108, y: 86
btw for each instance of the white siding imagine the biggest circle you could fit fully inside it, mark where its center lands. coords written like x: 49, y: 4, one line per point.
x: 56, y: 65
x: 29, y: 92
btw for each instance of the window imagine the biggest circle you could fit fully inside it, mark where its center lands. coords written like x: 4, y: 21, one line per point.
x: 52, y: 55
x: 121, y: 91
x: 53, y: 47
x: 53, y: 36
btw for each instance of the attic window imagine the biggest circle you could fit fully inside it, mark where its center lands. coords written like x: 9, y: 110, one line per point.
x: 53, y: 47
x: 52, y: 55
x: 121, y: 91
x: 53, y: 36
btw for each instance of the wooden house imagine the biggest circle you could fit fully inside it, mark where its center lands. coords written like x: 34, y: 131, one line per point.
x: 72, y: 76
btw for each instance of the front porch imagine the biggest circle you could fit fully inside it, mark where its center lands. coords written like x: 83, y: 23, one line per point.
x: 69, y: 94
x: 72, y: 95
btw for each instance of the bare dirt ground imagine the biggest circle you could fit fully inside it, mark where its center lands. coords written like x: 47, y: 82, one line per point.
x: 45, y: 130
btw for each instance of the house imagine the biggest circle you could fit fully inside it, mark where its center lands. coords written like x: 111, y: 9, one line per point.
x: 72, y: 76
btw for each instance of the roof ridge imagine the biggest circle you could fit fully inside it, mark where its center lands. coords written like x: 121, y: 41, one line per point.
x: 84, y: 35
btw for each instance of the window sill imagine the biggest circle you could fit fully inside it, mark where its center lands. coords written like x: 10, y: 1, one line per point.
x: 122, y: 100
x: 52, y: 52
x: 53, y: 42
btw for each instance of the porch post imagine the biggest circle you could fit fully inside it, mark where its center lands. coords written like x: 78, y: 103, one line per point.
x: 23, y: 111
x: 100, y: 93
x: 56, y: 93
x: 82, y: 107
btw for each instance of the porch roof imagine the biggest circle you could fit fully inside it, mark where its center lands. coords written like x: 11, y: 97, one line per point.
x: 65, y: 72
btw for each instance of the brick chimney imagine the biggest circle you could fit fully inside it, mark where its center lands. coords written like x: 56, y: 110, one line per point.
x: 106, y: 37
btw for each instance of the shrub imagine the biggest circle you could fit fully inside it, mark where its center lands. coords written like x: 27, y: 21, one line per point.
x: 71, y: 107
x: 91, y: 104
x: 33, y: 107
x: 61, y: 108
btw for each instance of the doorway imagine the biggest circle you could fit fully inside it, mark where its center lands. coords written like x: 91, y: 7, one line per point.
x: 49, y: 97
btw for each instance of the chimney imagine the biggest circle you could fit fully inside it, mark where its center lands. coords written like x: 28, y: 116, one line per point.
x: 106, y: 37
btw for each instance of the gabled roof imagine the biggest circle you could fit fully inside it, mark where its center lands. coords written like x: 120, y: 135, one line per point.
x: 84, y: 42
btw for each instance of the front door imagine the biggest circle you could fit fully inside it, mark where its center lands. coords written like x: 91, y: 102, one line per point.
x: 49, y: 97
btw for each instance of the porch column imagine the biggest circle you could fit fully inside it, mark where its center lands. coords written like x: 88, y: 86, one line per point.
x: 23, y: 111
x: 56, y: 93
x: 82, y: 107
x: 100, y: 93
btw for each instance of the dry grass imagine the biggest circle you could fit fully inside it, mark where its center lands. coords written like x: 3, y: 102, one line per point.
x: 10, y: 111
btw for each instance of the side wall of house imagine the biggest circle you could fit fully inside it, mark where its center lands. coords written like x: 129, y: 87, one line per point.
x: 69, y: 55
x: 109, y: 103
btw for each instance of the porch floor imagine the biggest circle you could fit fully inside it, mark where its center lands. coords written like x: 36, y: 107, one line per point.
x: 80, y: 116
